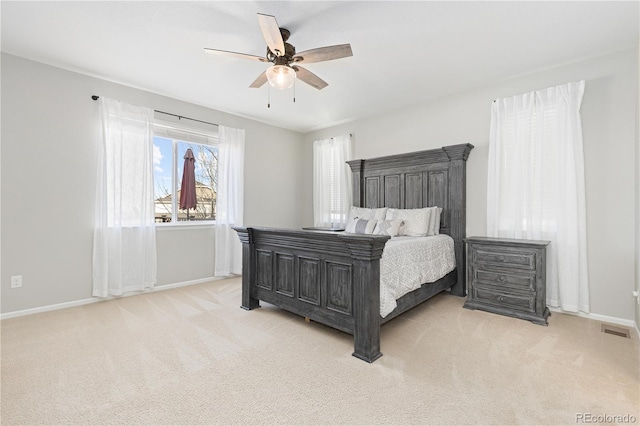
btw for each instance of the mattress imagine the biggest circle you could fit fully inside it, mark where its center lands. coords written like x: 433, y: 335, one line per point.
x: 409, y: 262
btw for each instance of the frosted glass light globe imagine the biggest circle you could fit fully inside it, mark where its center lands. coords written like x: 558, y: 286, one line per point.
x: 281, y: 76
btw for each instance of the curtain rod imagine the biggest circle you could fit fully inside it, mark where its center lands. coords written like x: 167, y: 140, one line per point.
x: 180, y: 117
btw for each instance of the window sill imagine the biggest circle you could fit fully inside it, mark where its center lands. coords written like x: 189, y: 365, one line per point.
x: 186, y: 225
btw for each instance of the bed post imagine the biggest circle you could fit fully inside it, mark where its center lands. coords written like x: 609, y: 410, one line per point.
x: 458, y: 155
x: 248, y: 271
x: 356, y: 170
x: 366, y: 295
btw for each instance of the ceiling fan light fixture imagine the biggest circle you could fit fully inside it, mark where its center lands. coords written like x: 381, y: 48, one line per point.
x: 281, y: 76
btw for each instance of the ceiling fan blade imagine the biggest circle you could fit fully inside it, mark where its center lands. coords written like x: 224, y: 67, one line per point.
x: 310, y: 78
x: 324, y: 54
x: 271, y: 33
x: 237, y: 55
x: 258, y: 82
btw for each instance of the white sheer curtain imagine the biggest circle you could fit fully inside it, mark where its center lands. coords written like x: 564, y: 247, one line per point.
x: 535, y: 187
x: 229, y: 201
x: 124, y: 244
x: 332, y: 192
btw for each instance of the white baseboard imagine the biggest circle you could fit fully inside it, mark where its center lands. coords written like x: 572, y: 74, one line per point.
x: 101, y: 299
x: 598, y: 317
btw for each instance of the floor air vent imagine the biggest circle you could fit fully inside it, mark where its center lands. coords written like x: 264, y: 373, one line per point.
x: 616, y: 331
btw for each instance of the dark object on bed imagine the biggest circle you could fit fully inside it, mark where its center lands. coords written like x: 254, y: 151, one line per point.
x: 334, y: 279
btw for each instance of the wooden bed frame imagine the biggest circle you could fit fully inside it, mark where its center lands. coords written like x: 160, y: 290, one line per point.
x: 333, y: 278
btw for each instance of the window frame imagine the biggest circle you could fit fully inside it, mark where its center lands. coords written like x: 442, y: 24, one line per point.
x: 213, y: 138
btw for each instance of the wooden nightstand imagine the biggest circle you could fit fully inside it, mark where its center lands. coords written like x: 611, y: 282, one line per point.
x: 508, y: 277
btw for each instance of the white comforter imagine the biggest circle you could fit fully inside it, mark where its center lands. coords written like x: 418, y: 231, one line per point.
x: 409, y: 262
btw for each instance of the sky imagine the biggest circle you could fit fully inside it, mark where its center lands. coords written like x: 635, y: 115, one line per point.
x: 162, y: 165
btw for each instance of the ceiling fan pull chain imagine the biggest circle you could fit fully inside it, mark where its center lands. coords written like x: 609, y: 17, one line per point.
x: 294, y: 91
x: 268, y: 96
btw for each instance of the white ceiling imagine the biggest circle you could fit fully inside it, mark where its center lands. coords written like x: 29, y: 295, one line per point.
x: 404, y: 53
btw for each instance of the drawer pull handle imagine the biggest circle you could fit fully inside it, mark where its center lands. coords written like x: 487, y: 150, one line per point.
x: 501, y: 259
x: 501, y: 278
x: 500, y: 299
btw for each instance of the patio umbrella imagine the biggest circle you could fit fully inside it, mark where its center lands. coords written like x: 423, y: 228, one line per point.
x: 188, y: 187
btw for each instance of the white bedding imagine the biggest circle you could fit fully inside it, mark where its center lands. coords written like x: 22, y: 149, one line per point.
x: 409, y: 262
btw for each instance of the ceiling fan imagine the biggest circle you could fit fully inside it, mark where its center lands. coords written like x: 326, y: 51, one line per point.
x: 285, y: 68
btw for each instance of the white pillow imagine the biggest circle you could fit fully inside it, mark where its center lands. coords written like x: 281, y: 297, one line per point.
x: 438, y: 215
x: 416, y: 221
x: 434, y: 221
x: 361, y: 226
x: 365, y: 213
x: 388, y: 227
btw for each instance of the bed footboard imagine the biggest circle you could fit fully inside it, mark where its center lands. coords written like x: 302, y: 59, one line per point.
x: 333, y: 279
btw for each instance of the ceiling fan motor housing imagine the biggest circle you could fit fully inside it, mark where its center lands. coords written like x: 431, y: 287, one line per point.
x: 289, y: 50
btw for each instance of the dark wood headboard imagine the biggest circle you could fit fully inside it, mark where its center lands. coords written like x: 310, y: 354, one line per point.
x: 436, y: 177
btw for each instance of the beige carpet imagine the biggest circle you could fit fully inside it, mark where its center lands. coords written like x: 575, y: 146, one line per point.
x: 192, y: 356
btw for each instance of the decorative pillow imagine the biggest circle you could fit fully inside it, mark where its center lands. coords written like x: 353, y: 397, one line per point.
x: 416, y: 221
x: 364, y: 213
x: 388, y: 227
x: 362, y: 226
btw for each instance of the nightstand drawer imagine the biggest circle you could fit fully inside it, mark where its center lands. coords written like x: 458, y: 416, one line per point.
x: 522, y: 302
x: 508, y: 279
x: 504, y: 257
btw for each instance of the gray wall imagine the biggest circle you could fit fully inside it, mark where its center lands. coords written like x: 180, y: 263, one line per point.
x: 49, y: 138
x: 609, y: 129
x: 49, y: 134
x: 637, y: 307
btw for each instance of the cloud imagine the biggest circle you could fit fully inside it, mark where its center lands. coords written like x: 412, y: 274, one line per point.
x: 157, y: 158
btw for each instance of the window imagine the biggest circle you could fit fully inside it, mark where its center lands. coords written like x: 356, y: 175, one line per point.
x: 170, y: 144
x: 526, y: 136
x: 336, y: 186
x: 331, y: 181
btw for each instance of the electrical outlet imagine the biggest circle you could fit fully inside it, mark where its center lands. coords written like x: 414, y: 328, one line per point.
x: 16, y: 281
x: 637, y: 296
